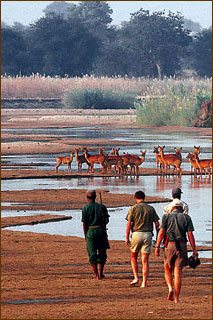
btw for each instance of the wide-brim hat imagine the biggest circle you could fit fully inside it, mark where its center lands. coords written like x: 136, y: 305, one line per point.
x: 194, y: 261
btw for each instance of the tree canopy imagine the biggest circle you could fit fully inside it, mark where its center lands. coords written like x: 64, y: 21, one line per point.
x: 13, y: 52
x: 76, y: 39
x: 201, y: 53
x: 158, y: 42
x: 60, y: 46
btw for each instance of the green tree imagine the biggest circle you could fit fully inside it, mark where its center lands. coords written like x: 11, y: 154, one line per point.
x: 155, y: 42
x: 60, y: 8
x: 58, y: 46
x: 96, y: 18
x: 113, y: 59
x: 201, y: 53
x: 13, y: 52
x: 96, y: 15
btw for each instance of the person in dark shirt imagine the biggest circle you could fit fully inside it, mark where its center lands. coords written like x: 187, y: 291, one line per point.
x: 95, y: 218
x: 174, y: 229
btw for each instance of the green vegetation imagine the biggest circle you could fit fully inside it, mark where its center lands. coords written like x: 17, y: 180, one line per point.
x: 169, y: 101
x: 181, y: 107
x: 98, y: 98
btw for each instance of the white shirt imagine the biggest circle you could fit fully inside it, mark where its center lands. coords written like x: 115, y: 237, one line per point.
x: 168, y: 208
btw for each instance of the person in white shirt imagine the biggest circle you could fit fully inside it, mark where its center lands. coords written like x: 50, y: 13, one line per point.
x: 176, y: 195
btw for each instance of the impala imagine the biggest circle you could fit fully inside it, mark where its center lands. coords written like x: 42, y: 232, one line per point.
x: 191, y: 157
x: 116, y: 160
x: 174, y: 160
x: 97, y: 158
x: 133, y: 161
x: 64, y: 160
x: 80, y: 159
x: 127, y: 160
x: 196, y: 151
x: 204, y: 164
x: 158, y: 159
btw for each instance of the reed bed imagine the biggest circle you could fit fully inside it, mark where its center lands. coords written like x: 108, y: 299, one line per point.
x: 169, y: 101
x: 40, y: 86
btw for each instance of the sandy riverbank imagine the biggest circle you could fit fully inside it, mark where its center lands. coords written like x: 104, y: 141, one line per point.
x: 49, y: 277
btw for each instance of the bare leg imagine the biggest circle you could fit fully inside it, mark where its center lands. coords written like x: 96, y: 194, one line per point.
x: 145, y: 267
x: 178, y: 278
x: 95, y: 270
x: 134, y: 264
x: 101, y: 269
x: 168, y: 278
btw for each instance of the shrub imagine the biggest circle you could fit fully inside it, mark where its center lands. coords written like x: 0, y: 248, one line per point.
x: 180, y: 107
x: 98, y: 98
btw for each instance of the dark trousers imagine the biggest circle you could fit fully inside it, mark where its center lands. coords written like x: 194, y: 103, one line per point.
x: 96, y: 246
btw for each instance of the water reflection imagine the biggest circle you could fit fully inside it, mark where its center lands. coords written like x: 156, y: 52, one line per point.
x: 163, y: 181
x: 144, y: 139
x: 153, y: 185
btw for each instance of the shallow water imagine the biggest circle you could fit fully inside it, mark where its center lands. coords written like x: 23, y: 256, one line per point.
x: 194, y: 193
x: 144, y: 139
x: 116, y: 226
x: 197, y: 192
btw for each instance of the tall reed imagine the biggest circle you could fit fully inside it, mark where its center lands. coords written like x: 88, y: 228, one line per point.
x: 41, y: 86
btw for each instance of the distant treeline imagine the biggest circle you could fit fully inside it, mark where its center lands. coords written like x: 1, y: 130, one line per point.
x: 74, y: 40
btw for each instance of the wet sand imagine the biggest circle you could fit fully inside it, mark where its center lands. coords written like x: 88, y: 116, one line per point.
x: 49, y: 277
x: 64, y: 199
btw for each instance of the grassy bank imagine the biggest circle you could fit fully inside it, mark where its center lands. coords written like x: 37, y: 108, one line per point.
x: 169, y: 101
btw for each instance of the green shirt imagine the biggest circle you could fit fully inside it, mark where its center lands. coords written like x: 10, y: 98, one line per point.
x: 177, y: 224
x: 142, y: 217
x: 92, y: 214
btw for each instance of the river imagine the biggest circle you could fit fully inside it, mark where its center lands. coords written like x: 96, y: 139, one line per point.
x: 197, y: 192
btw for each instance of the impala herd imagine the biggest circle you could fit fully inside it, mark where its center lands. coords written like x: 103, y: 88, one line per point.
x: 129, y: 163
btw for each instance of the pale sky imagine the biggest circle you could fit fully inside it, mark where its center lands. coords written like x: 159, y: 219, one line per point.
x: 27, y: 12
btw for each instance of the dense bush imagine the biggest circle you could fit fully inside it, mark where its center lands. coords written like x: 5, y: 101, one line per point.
x: 98, y: 98
x: 181, y: 107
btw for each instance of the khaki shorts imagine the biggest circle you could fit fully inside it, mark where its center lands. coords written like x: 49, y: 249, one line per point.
x: 141, y: 241
x: 175, y: 258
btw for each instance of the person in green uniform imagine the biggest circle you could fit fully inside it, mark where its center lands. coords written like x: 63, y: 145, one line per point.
x: 95, y: 218
x: 141, y: 218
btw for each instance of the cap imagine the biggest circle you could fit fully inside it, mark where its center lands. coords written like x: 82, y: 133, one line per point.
x: 91, y: 193
x: 194, y: 261
x: 176, y: 191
